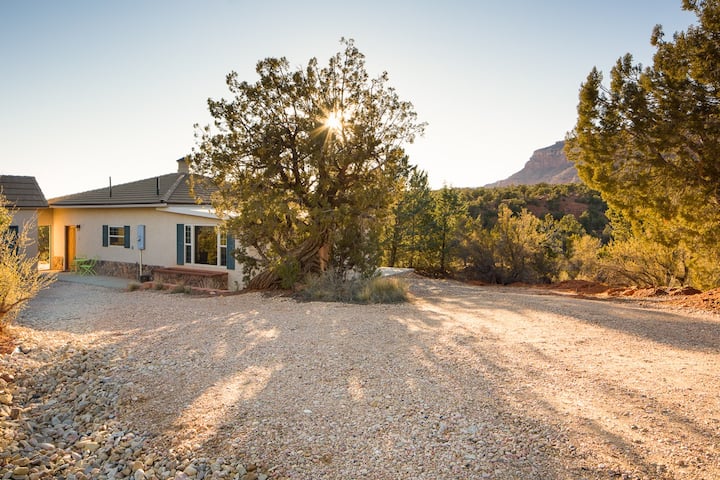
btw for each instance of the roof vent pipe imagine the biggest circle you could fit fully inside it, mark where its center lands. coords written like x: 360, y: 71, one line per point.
x: 157, y: 186
x: 110, y: 180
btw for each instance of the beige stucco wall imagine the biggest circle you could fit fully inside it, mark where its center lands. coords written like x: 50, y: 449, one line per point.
x: 45, y: 216
x: 160, y: 235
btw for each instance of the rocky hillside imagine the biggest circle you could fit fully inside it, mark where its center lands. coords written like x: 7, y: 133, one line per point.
x: 546, y: 165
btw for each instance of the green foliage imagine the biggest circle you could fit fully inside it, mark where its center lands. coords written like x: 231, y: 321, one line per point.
x: 521, y: 247
x: 307, y: 163
x: 332, y: 286
x: 650, y: 143
x: 483, y: 203
x: 425, y: 228
x: 519, y: 250
x: 408, y: 238
x: 642, y: 262
x: 451, y: 232
x: 582, y: 259
x: 635, y: 257
x: 20, y: 279
x: 289, y: 272
x: 448, y: 216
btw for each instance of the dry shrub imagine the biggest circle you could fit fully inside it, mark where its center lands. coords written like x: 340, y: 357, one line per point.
x: 333, y: 287
x: 383, y: 290
x: 20, y: 279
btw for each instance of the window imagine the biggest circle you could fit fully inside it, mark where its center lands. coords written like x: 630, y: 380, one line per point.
x: 204, y: 245
x: 116, y: 236
x: 222, y: 248
x: 44, y: 243
x: 14, y: 233
x: 188, y: 243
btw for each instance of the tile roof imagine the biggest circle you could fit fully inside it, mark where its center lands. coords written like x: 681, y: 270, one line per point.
x: 170, y: 189
x: 22, y: 192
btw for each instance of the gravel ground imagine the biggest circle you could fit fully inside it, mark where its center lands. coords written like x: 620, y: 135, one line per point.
x: 463, y: 382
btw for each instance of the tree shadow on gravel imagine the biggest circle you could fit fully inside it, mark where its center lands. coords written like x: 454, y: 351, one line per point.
x: 313, y: 390
x: 318, y: 390
x: 636, y: 439
x: 633, y: 317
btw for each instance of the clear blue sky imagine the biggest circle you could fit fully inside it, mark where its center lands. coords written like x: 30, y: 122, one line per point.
x: 98, y: 89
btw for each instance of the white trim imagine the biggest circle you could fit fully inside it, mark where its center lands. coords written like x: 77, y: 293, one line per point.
x: 129, y: 205
x: 196, y: 211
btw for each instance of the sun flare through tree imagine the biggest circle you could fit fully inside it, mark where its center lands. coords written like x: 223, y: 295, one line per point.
x: 307, y: 163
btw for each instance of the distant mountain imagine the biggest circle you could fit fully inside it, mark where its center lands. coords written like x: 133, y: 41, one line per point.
x: 546, y: 165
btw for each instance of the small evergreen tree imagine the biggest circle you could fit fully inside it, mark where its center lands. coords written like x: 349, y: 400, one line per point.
x: 408, y: 238
x: 448, y: 214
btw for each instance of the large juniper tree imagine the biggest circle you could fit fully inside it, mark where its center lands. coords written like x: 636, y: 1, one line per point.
x: 650, y: 143
x: 307, y: 163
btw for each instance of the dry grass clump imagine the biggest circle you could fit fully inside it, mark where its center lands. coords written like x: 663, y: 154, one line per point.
x: 180, y: 288
x: 330, y: 287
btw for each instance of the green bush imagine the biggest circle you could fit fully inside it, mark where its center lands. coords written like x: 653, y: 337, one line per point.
x: 289, y: 273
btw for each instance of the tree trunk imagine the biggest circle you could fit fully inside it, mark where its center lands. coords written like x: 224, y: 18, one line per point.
x: 312, y: 255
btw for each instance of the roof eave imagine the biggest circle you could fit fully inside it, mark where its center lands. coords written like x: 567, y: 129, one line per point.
x: 110, y: 205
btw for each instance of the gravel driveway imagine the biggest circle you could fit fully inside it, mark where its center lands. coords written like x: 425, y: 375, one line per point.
x: 463, y: 382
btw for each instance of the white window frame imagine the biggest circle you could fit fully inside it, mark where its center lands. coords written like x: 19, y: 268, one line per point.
x: 113, y: 238
x: 189, y: 247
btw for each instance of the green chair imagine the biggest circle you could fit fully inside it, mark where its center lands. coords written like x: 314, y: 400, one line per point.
x: 76, y: 262
x: 87, y: 266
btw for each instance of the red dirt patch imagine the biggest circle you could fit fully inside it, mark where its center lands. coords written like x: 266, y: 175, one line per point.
x: 646, y: 292
x: 580, y: 286
x: 682, y: 296
x: 709, y: 300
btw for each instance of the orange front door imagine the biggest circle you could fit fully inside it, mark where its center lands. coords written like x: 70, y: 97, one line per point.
x: 70, y: 245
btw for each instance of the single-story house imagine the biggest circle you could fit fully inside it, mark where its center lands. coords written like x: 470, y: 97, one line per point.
x: 25, y: 199
x: 150, y: 227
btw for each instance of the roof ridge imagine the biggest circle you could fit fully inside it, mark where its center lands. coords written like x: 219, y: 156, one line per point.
x: 173, y: 187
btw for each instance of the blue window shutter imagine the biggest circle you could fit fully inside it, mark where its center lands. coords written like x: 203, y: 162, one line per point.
x: 106, y: 235
x: 230, y: 248
x: 126, y: 235
x: 180, y: 244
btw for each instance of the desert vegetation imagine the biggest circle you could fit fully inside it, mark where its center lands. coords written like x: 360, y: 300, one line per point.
x: 311, y: 164
x: 20, y: 279
x: 647, y: 144
x: 533, y: 234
